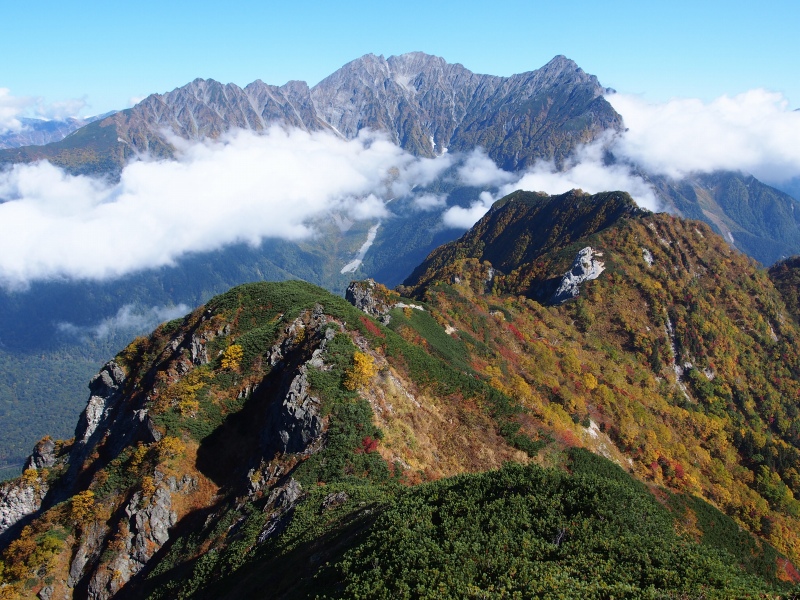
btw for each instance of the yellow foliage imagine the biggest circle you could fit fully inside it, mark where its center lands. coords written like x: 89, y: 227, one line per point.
x: 30, y: 476
x: 138, y: 455
x: 170, y: 447
x: 590, y: 381
x: 184, y: 392
x: 148, y: 486
x: 232, y: 357
x: 8, y: 592
x: 83, y: 507
x: 363, y: 370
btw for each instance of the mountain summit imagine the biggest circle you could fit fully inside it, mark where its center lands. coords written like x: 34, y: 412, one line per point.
x: 425, y: 105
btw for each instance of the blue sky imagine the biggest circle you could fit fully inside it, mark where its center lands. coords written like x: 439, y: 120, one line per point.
x: 107, y: 53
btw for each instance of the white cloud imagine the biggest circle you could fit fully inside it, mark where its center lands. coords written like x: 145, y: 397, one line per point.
x: 61, y: 110
x: 242, y: 188
x: 14, y: 108
x: 11, y: 109
x: 428, y: 202
x: 459, y: 217
x: 755, y: 132
x: 585, y: 170
x: 127, y: 319
x: 478, y: 170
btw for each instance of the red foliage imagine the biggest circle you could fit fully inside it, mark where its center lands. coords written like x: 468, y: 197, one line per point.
x: 516, y: 332
x: 568, y: 439
x: 787, y: 571
x: 679, y: 472
x: 372, y: 327
x: 368, y: 445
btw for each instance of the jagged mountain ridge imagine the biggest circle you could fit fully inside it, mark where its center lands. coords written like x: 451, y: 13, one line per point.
x: 189, y: 445
x: 423, y: 103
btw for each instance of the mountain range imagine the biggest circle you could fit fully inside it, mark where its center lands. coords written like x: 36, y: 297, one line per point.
x: 38, y: 132
x: 49, y: 343
x: 603, y: 396
x: 426, y: 106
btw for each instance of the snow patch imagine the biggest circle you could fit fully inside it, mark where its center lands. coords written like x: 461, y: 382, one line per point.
x: 647, y: 256
x: 404, y: 305
x: 362, y: 252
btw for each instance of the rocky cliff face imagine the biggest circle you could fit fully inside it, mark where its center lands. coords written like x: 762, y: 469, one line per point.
x: 424, y: 104
x: 585, y: 268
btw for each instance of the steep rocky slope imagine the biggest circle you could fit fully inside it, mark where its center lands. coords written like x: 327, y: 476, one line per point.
x: 279, y: 439
x: 423, y: 103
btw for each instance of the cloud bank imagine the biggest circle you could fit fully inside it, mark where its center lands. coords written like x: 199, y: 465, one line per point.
x: 128, y: 319
x: 247, y: 187
x: 241, y: 189
x: 14, y: 108
x: 755, y: 132
x: 585, y: 170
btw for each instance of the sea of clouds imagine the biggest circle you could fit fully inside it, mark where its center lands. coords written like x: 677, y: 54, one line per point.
x: 246, y: 187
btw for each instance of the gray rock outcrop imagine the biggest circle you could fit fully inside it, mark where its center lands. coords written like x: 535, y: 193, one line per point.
x: 361, y: 294
x: 297, y: 422
x: 584, y: 268
x: 145, y: 530
x: 43, y: 455
x: 18, y: 499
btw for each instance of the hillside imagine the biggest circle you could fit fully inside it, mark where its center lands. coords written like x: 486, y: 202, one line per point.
x: 278, y: 439
x: 413, y: 99
x: 678, y: 348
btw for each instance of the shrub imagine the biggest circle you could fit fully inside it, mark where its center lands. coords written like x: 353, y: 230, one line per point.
x: 362, y: 371
x: 232, y: 357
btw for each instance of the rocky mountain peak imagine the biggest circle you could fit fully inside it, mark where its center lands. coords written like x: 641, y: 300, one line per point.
x: 423, y: 103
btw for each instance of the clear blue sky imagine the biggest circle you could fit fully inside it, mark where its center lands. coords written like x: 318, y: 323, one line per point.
x: 108, y: 52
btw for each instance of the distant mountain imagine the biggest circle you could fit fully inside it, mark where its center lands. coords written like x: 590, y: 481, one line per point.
x: 756, y: 218
x: 423, y: 103
x: 38, y: 132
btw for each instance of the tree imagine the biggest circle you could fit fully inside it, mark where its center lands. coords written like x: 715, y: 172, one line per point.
x: 362, y: 371
x: 232, y: 357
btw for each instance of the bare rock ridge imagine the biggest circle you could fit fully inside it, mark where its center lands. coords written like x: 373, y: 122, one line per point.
x: 423, y: 103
